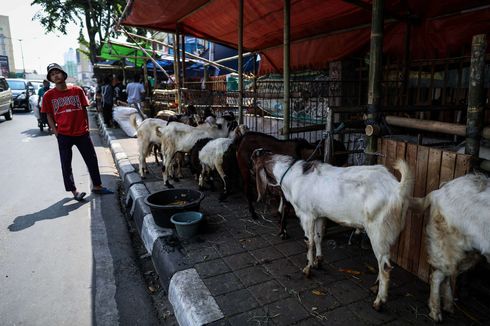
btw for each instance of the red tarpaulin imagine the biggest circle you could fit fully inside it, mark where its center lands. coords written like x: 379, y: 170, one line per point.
x: 321, y: 30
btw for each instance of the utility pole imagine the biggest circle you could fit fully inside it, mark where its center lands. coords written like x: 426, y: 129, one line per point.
x: 22, y: 54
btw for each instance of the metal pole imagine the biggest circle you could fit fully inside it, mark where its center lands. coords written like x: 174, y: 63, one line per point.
x: 474, y: 122
x: 286, y: 75
x: 375, y: 69
x: 240, y: 61
x: 190, y: 55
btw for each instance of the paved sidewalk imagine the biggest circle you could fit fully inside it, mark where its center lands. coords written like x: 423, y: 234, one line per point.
x: 239, y: 272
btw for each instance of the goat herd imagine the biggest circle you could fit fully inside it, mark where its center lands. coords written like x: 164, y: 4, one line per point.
x: 362, y: 197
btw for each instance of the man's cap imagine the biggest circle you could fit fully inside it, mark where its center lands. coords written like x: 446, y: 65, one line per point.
x: 52, y: 66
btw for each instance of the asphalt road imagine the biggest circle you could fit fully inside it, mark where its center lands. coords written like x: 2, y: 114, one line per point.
x: 62, y: 262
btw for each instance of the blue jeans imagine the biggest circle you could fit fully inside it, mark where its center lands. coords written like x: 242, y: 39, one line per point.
x: 87, y: 150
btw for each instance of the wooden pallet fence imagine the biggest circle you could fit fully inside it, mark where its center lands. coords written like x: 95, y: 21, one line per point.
x: 430, y: 167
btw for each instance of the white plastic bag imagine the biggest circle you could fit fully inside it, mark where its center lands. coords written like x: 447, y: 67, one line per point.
x: 121, y: 115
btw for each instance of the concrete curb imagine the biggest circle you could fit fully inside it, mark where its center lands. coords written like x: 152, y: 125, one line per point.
x: 192, y: 301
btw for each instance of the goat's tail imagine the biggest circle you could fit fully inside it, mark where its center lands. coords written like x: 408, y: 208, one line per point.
x: 419, y: 205
x: 407, y: 181
x: 132, y: 119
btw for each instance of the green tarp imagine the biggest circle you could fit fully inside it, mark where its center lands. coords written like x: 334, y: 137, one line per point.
x: 118, y: 52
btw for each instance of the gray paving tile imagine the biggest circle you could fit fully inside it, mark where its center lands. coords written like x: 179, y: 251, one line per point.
x: 267, y: 254
x: 318, y: 300
x: 290, y: 248
x: 341, y: 316
x: 347, y: 291
x: 211, y: 268
x: 222, y: 284
x: 253, y: 243
x: 253, y: 275
x: 268, y: 292
x: 240, y: 261
x: 287, y: 311
x: 364, y: 311
x: 236, y: 302
x: 281, y: 267
x: 229, y: 247
x: 252, y: 317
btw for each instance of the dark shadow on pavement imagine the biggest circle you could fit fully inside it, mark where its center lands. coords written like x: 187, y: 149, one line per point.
x: 56, y: 210
x: 33, y: 133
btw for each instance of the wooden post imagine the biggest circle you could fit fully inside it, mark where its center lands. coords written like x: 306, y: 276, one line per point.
x: 327, y: 158
x: 474, y: 122
x: 205, y: 77
x: 255, y: 92
x: 286, y: 62
x: 240, y: 61
x: 183, y: 60
x: 374, y: 87
x: 155, y: 75
x: 176, y: 71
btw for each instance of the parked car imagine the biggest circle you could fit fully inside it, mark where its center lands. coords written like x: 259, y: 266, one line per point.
x: 22, y: 89
x: 5, y: 99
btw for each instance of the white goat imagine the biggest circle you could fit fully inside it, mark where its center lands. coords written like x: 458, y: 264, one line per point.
x: 363, y: 197
x: 458, y: 229
x: 179, y: 137
x: 147, y: 138
x: 211, y: 157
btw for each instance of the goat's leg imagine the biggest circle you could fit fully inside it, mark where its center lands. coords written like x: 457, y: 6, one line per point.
x: 167, y: 161
x: 435, y: 296
x: 202, y: 176
x: 309, y: 228
x: 447, y: 296
x: 382, y: 252
x: 283, y: 232
x: 179, y: 160
x: 155, y: 153
x: 222, y: 174
x: 318, y: 238
x: 142, y: 158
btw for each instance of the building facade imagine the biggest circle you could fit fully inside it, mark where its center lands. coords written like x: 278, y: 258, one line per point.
x: 7, y: 63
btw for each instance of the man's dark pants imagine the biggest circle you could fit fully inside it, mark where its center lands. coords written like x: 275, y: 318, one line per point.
x: 86, y: 149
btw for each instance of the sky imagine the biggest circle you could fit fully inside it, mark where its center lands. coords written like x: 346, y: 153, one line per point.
x: 38, y: 48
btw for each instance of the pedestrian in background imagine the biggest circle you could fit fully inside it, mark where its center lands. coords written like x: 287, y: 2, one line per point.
x: 40, y: 94
x: 136, y: 92
x: 66, y: 109
x: 107, y: 92
x: 119, y: 91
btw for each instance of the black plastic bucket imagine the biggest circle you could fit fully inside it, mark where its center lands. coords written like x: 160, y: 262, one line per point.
x: 163, y: 204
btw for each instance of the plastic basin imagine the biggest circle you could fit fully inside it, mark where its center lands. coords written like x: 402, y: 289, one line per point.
x: 186, y: 223
x: 163, y: 204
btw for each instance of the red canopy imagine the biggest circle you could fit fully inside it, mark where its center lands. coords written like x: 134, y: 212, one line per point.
x: 321, y: 30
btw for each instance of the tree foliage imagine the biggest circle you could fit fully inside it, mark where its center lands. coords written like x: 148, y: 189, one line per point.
x: 96, y: 16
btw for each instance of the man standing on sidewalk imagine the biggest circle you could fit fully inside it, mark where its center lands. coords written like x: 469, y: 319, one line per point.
x: 136, y: 92
x: 66, y: 109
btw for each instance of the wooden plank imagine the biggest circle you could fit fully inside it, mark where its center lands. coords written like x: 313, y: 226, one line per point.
x: 391, y: 154
x: 448, y: 164
x: 463, y: 165
x: 433, y: 173
x: 403, y: 258
x: 400, y: 154
x: 381, y: 147
x: 417, y: 219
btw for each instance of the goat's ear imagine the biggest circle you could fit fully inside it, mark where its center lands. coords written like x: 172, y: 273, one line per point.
x: 159, y: 132
x: 260, y: 181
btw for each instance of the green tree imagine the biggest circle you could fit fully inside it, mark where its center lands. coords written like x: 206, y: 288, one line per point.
x: 96, y: 16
